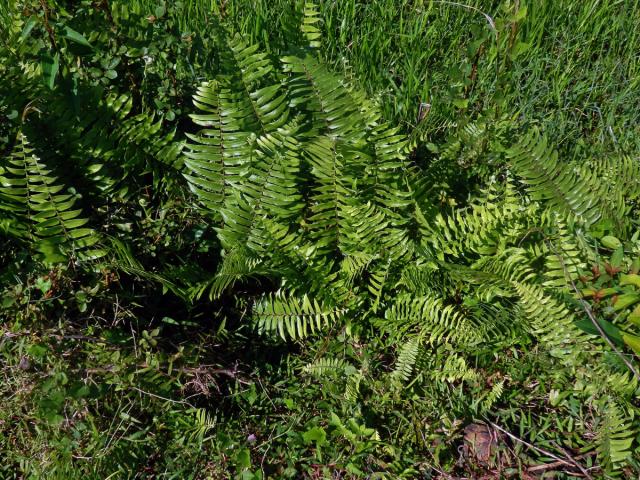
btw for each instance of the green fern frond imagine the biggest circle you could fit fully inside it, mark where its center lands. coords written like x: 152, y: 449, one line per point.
x: 554, y: 182
x: 29, y: 192
x: 480, y: 229
x: 550, y: 320
x: 113, y: 147
x: 353, y: 266
x: 270, y: 191
x: 386, y: 171
x: 488, y: 400
x: 326, y: 366
x: 466, y: 144
x: 325, y: 98
x: 455, y: 369
x: 566, y: 255
x: 236, y: 265
x: 406, y: 360
x: 254, y: 65
x: 377, y: 281
x: 352, y: 388
x: 293, y: 317
x: 273, y: 186
x: 437, y: 321
x: 615, y: 437
x: 311, y: 18
x: 223, y: 152
x: 615, y: 182
x: 327, y: 159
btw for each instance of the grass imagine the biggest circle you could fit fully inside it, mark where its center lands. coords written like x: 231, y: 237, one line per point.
x: 572, y: 67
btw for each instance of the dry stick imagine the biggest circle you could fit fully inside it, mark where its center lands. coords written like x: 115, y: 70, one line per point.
x: 547, y: 466
x: 566, y: 454
x: 592, y: 317
x: 569, y: 462
x: 181, y: 402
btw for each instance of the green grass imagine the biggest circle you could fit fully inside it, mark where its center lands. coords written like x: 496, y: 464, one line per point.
x: 572, y: 67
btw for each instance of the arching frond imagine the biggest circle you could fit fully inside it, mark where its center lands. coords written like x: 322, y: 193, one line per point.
x: 42, y: 210
x: 554, y: 182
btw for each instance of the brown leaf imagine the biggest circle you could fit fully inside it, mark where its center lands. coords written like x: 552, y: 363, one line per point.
x: 479, y: 442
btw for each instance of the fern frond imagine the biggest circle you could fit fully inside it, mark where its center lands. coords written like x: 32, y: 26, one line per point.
x: 352, y: 388
x: 455, y: 369
x: 270, y: 191
x: 554, y: 182
x: 549, y: 319
x: 352, y: 266
x: 615, y: 437
x: 236, y: 265
x: 293, y: 317
x: 29, y: 191
x: 434, y: 319
x: 325, y: 97
x: 377, y: 281
x: 386, y: 171
x: 327, y: 159
x: 311, y: 17
x: 253, y: 64
x: 112, y: 146
x: 479, y: 229
x: 565, y: 255
x: 273, y: 186
x: 406, y: 360
x: 615, y: 182
x: 489, y: 399
x: 326, y: 366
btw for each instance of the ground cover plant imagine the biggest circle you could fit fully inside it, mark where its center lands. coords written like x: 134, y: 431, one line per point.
x: 297, y: 239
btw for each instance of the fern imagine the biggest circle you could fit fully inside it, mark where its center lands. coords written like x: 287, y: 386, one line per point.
x: 455, y: 368
x: 406, y: 360
x: 309, y: 27
x: 436, y: 320
x: 326, y: 367
x: 293, y: 317
x: 615, y: 438
x: 46, y: 215
x: 113, y: 147
x: 492, y: 396
x: 550, y: 180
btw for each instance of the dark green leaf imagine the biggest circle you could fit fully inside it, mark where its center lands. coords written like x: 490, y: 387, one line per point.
x: 50, y: 65
x: 71, y: 34
x: 613, y: 332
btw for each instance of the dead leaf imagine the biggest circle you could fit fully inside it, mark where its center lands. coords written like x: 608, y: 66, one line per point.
x: 479, y: 442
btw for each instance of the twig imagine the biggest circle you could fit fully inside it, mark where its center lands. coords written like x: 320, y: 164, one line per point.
x: 568, y: 462
x: 566, y: 454
x: 180, y: 402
